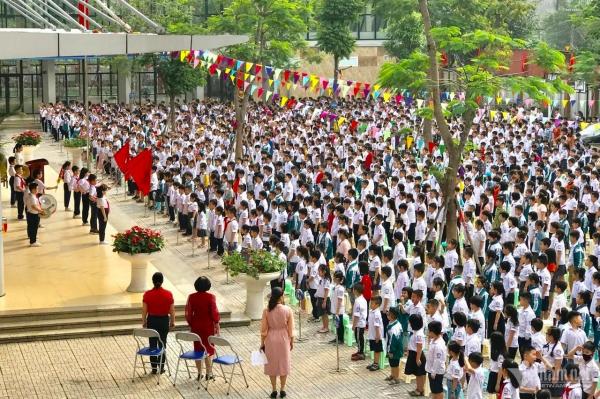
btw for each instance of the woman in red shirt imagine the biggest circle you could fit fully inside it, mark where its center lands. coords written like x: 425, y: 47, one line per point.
x: 202, y: 316
x: 158, y: 313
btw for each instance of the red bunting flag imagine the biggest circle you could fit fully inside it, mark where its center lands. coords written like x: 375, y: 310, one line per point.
x: 571, y: 62
x: 260, y: 91
x: 444, y: 59
x: 356, y: 89
x: 524, y: 61
x: 353, y: 125
x: 257, y: 69
x: 325, y: 83
x: 140, y: 170
x: 122, y: 158
x: 431, y: 145
x: 240, y: 84
x: 219, y: 59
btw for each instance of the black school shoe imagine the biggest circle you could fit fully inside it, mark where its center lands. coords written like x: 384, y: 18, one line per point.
x: 282, y: 394
x: 273, y: 394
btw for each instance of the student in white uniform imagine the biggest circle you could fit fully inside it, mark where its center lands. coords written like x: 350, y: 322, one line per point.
x: 511, y: 377
x: 33, y: 211
x: 66, y: 174
x: 435, y: 363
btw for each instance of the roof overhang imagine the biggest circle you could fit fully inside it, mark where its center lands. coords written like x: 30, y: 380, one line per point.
x: 41, y: 43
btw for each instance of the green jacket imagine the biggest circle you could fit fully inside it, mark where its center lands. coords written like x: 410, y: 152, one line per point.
x: 394, y: 340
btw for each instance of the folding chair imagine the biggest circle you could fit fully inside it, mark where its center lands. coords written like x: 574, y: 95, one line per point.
x: 185, y: 337
x: 147, y: 351
x: 225, y: 360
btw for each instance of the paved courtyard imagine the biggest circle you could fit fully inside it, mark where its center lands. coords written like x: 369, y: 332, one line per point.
x: 102, y: 367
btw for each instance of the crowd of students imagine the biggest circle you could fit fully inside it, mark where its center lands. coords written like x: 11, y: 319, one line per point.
x: 356, y: 211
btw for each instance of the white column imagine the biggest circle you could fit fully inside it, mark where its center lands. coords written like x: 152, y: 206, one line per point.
x: 49, y: 81
x: 124, y: 86
x: 197, y: 93
x: 2, y: 293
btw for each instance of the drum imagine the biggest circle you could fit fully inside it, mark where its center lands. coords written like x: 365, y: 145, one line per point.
x: 26, y: 171
x: 48, y: 204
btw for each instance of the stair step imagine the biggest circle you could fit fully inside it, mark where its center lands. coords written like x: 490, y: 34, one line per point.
x: 97, y: 331
x: 78, y: 312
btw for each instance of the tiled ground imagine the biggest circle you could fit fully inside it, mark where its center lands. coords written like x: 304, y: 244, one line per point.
x: 102, y: 368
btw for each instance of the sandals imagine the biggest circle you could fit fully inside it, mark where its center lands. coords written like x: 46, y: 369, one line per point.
x: 416, y: 394
x: 323, y: 331
x: 394, y: 381
x: 388, y: 378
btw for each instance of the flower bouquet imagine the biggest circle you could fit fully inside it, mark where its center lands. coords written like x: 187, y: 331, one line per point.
x: 28, y: 137
x: 138, y: 240
x: 254, y: 263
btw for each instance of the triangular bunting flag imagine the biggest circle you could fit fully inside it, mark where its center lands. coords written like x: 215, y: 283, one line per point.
x: 269, y: 95
x: 284, y: 101
x: 260, y: 91
x: 249, y: 66
x: 591, y: 103
x: 257, y: 69
x: 386, y: 96
x: 564, y: 103
x: 252, y: 90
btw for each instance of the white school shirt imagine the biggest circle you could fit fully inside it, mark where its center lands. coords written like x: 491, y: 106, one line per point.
x: 531, y: 375
x: 387, y: 292
x: 469, y: 271
x: 545, y: 279
x: 419, y: 284
x: 435, y: 359
x: 401, y: 281
x: 525, y: 317
x: 509, y: 392
x: 460, y: 305
x: 301, y: 269
x: 472, y: 344
x: 324, y: 284
x: 588, y: 372
x: 475, y: 385
x: 460, y: 335
x: 375, y: 323
x: 526, y: 270
x: 497, y: 304
x: 450, y: 259
x: 538, y: 340
x: 572, y: 337
x: 482, y: 325
x: 511, y: 327
x: 360, y: 311
x: 337, y: 293
x: 454, y: 370
x: 416, y: 337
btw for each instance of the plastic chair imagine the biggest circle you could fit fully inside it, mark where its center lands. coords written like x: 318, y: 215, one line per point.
x: 232, y: 360
x: 516, y: 301
x: 147, y: 351
x: 188, y: 355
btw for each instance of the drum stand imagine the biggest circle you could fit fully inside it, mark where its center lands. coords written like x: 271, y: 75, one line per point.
x: 300, y: 338
x: 337, y: 369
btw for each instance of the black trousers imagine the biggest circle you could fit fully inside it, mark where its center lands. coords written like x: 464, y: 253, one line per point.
x: 19, y: 195
x: 67, y: 195
x: 339, y: 329
x: 161, y: 325
x: 33, y: 223
x: 102, y: 224
x: 77, y: 201
x: 523, y: 343
x: 85, y: 211
x: 313, y: 302
x: 359, y: 335
x: 171, y: 213
x: 93, y: 216
x: 13, y: 196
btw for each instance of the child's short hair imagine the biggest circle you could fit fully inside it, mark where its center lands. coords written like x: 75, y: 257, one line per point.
x: 505, y: 266
x: 415, y: 321
x: 402, y: 264
x: 572, y: 370
x: 359, y: 288
x: 543, y: 394
x: 476, y: 300
x: 460, y: 319
x: 458, y: 269
x: 435, y: 327
x: 438, y: 282
x: 418, y: 293
x: 537, y: 324
x: 377, y: 300
x: 339, y: 276
x: 433, y: 302
x: 476, y: 359
x: 420, y: 268
x: 474, y: 325
x: 459, y: 288
x: 408, y: 291
x: 526, y: 296
x: 573, y: 314
x: 534, y: 278
x: 386, y: 271
x: 561, y: 285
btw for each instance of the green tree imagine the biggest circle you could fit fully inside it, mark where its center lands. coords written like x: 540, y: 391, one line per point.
x: 276, y: 28
x: 333, y: 19
x: 476, y: 60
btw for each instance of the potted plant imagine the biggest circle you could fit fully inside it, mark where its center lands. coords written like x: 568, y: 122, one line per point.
x: 75, y: 147
x: 137, y: 245
x: 29, y: 139
x: 256, y: 268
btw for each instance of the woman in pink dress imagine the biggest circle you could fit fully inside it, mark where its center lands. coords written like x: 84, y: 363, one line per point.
x: 277, y: 340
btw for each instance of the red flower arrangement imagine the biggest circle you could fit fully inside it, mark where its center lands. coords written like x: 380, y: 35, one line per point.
x: 138, y: 240
x: 28, y: 137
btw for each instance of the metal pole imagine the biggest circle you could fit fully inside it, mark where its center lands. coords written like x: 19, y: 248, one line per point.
x: 86, y: 117
x: 31, y: 12
x: 50, y: 16
x: 21, y: 11
x: 134, y: 10
x: 2, y: 292
x: 115, y: 17
x: 81, y: 14
x: 63, y: 13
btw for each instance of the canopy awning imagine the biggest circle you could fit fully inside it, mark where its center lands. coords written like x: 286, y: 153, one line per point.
x: 42, y: 43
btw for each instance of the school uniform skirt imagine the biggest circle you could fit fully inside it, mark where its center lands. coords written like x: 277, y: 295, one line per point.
x: 320, y: 311
x: 411, y: 364
x: 490, y: 323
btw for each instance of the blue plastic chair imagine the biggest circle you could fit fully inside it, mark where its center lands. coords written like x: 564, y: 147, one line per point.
x: 231, y: 359
x: 147, y: 351
x: 188, y: 355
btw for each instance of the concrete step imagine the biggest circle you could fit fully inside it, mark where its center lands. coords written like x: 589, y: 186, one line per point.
x: 102, y: 330
x: 77, y: 322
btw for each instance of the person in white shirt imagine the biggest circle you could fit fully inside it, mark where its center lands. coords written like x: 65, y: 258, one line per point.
x: 337, y: 305
x: 588, y: 368
x: 388, y: 295
x: 472, y: 341
x: 416, y: 362
x: 473, y: 367
x: 526, y: 314
x: 530, y: 370
x: 511, y: 378
x: 359, y: 321
x: 435, y: 364
x: 375, y: 335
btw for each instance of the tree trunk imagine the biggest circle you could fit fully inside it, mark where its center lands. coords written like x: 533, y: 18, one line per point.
x: 336, y: 66
x: 241, y: 104
x: 448, y: 190
x: 427, y: 128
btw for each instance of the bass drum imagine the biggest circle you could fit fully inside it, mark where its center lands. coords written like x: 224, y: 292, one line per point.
x: 48, y: 204
x: 26, y: 172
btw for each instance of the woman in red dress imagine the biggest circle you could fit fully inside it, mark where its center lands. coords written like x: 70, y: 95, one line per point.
x: 202, y: 316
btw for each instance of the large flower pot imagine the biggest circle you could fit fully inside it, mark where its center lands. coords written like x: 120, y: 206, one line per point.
x: 28, y: 151
x: 75, y: 155
x: 255, y: 293
x: 139, y: 271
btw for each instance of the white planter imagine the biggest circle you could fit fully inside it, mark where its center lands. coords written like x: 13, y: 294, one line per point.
x: 139, y: 271
x: 255, y: 293
x: 75, y: 155
x: 28, y: 151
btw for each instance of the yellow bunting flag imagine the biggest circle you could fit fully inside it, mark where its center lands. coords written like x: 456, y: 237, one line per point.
x: 505, y: 115
x: 249, y: 66
x: 284, y: 101
x: 493, y: 114
x: 419, y: 103
x: 270, y: 82
x: 232, y: 77
x: 386, y: 96
x: 227, y: 70
x: 409, y: 141
x: 498, y: 100
x: 288, y: 85
x: 583, y: 125
x: 246, y: 76
x: 183, y: 54
x: 564, y: 103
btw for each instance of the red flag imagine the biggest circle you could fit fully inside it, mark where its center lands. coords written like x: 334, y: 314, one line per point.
x: 571, y: 62
x: 444, y: 59
x: 260, y: 91
x: 236, y: 185
x: 353, y: 125
x: 368, y: 161
x: 524, y: 61
x: 122, y: 158
x: 83, y: 10
x: 431, y: 145
x: 140, y: 170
